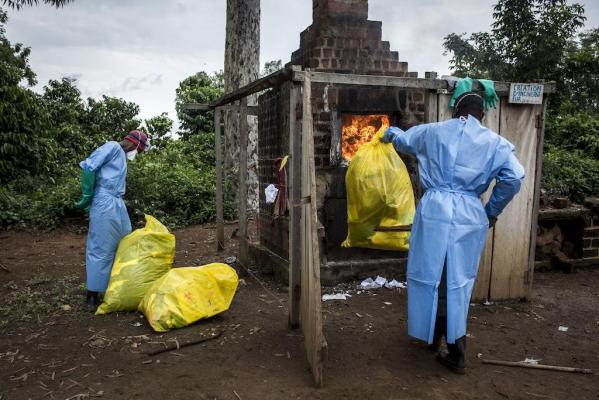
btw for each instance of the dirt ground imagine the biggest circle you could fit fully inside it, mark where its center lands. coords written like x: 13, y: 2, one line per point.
x: 50, y: 348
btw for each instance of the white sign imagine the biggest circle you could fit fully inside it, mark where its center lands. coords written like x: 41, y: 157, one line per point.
x: 526, y: 93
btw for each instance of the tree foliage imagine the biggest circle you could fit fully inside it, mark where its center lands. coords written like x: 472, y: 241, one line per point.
x: 18, y: 4
x: 22, y: 116
x: 198, y: 88
x: 159, y: 130
x: 532, y: 40
x: 528, y: 41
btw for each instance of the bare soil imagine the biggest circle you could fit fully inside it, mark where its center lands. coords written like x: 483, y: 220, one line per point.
x: 50, y: 348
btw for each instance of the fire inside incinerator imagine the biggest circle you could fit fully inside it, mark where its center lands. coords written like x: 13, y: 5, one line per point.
x: 360, y: 129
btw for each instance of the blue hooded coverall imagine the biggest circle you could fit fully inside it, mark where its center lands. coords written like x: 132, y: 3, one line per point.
x: 457, y: 159
x: 108, y: 218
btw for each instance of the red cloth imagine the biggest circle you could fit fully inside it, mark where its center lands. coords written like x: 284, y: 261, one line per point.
x: 281, y: 202
x: 139, y: 139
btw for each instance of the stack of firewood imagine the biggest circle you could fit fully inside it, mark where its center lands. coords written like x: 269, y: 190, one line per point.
x: 552, y: 245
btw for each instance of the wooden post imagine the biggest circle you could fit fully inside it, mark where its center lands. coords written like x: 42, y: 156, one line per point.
x: 295, y: 179
x: 220, y: 224
x: 243, y: 162
x: 511, y: 244
x: 537, y: 193
x: 310, y: 299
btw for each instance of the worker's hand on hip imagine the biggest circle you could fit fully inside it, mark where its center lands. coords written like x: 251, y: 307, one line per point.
x: 492, y: 221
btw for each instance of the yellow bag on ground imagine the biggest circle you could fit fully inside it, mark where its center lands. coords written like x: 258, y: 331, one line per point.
x: 379, y: 193
x: 142, y: 257
x: 186, y: 295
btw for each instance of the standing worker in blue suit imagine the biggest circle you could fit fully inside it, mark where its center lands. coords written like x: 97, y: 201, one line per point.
x: 457, y: 159
x: 103, y: 187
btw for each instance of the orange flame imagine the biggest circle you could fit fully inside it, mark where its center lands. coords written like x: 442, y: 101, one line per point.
x: 358, y: 130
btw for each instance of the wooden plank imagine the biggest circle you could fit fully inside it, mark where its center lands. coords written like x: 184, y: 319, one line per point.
x: 502, y: 88
x: 243, y: 192
x: 218, y: 151
x: 267, y: 82
x: 444, y: 112
x: 310, y: 300
x: 295, y: 178
x: 483, y: 278
x: 537, y: 193
x: 511, y: 245
x: 430, y: 101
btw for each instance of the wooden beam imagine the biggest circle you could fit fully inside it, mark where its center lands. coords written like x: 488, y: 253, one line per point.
x: 537, y: 193
x: 311, y: 313
x: 243, y: 192
x: 220, y: 223
x: 295, y: 249
x: 502, y: 88
x: 252, y: 110
x: 269, y: 81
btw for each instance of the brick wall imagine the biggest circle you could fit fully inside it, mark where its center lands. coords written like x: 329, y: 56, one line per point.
x: 273, y: 143
x: 590, y: 240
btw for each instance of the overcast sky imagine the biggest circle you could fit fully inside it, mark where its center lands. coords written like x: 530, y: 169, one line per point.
x: 141, y: 49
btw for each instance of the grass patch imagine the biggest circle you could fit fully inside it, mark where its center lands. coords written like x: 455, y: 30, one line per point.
x: 40, y: 297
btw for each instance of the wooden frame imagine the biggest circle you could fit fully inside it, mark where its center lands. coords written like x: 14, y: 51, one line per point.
x: 218, y: 151
x: 243, y: 161
x: 310, y: 297
x: 295, y: 162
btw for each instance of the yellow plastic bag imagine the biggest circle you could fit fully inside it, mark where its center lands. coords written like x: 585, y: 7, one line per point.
x: 186, y: 295
x: 379, y: 193
x: 142, y: 257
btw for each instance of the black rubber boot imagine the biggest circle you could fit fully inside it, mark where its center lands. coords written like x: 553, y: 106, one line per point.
x: 92, y: 301
x: 455, y: 359
x: 438, y: 335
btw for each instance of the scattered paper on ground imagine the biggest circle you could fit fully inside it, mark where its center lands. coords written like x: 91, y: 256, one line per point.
x: 379, y: 282
x: 336, y: 296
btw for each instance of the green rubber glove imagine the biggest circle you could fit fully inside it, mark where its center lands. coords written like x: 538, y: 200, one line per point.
x: 88, y: 181
x: 463, y: 86
x: 490, y: 98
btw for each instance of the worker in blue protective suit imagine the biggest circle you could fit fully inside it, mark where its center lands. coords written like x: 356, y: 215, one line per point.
x: 103, y: 186
x: 458, y: 159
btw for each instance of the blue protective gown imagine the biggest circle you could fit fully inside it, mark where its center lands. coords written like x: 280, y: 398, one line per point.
x: 457, y: 159
x: 108, y: 218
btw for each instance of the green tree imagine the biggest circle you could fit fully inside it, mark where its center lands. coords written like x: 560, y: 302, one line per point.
x: 579, y: 86
x: 528, y: 41
x: 65, y: 107
x: 159, y: 129
x: 22, y: 116
x: 197, y: 88
x: 109, y: 119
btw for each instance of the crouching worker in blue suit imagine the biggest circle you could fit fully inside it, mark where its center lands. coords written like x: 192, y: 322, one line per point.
x: 457, y: 159
x: 103, y: 187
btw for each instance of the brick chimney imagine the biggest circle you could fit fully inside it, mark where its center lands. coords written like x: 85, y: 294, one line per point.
x: 342, y: 39
x: 348, y: 9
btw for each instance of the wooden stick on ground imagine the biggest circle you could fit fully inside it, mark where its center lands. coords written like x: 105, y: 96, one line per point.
x: 538, y: 366
x: 4, y: 268
x: 179, y: 346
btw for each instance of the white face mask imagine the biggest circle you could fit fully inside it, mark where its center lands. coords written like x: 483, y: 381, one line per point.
x: 131, y: 155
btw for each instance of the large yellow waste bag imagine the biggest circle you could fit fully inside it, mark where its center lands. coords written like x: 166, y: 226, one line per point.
x: 186, y: 295
x: 379, y: 193
x: 142, y: 257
